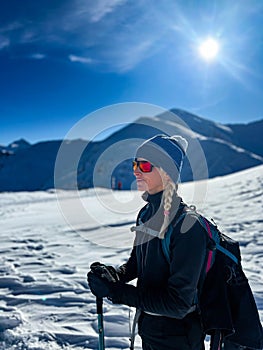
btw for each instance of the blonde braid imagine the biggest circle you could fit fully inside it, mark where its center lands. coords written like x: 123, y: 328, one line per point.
x: 168, y: 193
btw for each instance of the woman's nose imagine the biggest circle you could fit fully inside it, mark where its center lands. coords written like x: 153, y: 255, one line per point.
x: 137, y: 171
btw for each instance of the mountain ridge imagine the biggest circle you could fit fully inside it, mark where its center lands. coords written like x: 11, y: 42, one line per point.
x: 219, y: 148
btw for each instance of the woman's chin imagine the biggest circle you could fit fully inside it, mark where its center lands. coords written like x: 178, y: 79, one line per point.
x: 141, y: 186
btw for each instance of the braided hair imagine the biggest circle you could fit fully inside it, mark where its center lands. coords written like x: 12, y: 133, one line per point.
x: 168, y: 193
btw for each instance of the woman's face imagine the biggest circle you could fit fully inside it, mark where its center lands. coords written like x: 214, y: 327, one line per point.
x: 151, y: 182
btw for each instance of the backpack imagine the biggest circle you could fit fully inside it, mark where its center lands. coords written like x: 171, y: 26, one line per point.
x: 227, y: 307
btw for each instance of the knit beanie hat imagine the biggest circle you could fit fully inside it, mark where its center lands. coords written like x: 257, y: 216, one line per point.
x: 166, y: 152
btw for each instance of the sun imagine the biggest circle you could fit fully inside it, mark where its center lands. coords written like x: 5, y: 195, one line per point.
x: 209, y: 49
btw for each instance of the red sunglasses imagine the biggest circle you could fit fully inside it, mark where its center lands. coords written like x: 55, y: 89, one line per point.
x: 143, y: 165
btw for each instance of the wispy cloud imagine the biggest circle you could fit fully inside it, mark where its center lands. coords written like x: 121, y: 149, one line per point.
x: 117, y: 34
x: 101, y: 8
x: 9, y: 27
x: 85, y: 60
x: 131, y: 55
x: 4, y: 42
x: 37, y: 56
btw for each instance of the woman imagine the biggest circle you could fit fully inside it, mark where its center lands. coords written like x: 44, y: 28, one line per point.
x: 166, y: 291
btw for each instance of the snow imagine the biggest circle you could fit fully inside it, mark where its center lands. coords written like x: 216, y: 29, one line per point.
x: 224, y: 127
x: 49, y: 239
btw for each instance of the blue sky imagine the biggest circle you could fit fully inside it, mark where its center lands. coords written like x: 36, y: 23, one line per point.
x: 63, y: 59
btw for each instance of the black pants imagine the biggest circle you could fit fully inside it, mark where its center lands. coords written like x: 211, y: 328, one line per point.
x: 165, y: 333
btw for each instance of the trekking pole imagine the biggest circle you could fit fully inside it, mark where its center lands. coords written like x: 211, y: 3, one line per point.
x: 99, y: 302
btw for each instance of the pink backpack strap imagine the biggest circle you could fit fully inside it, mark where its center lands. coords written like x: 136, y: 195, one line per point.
x: 210, y: 253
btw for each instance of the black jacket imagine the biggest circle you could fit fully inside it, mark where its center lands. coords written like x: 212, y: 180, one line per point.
x: 163, y: 288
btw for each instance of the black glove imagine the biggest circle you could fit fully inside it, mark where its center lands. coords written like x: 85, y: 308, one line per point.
x: 105, y: 271
x: 102, y: 279
x: 100, y: 287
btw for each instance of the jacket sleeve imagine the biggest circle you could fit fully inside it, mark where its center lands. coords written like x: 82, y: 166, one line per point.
x: 177, y: 297
x: 128, y: 271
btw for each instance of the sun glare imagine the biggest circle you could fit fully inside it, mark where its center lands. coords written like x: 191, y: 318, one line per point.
x: 209, y: 49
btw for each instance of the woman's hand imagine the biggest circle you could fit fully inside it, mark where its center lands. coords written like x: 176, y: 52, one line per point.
x: 102, y: 279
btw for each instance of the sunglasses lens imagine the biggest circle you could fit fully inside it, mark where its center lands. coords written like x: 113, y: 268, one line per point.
x: 144, y: 166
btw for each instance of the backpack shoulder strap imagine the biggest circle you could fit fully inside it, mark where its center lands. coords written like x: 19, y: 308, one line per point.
x: 168, y: 233
x: 213, y: 234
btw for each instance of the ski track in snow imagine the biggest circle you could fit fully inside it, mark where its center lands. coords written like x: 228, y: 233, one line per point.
x: 45, y: 302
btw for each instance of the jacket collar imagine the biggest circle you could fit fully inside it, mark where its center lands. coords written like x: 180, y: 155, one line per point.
x: 153, y: 198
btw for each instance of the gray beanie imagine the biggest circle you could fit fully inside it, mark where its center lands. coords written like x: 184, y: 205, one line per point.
x: 166, y: 152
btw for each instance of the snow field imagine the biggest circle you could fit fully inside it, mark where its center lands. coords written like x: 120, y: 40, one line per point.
x: 46, y: 249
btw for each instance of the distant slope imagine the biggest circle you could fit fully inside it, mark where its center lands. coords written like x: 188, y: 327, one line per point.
x: 248, y: 136
x: 32, y: 168
x: 214, y: 150
x: 204, y: 126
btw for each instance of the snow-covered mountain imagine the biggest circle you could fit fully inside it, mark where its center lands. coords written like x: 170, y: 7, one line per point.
x: 214, y: 150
